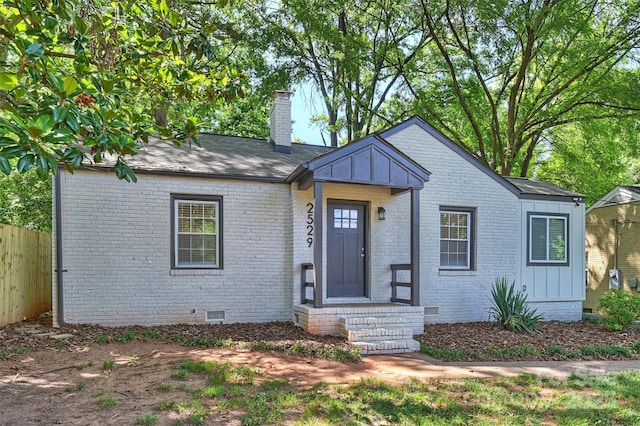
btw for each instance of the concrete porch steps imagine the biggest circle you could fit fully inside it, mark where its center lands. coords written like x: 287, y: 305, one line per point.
x: 379, y: 334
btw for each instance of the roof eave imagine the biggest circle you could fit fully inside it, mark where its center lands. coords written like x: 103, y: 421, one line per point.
x: 110, y: 169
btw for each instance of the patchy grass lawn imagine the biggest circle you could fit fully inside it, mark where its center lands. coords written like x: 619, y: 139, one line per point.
x: 276, y: 374
x: 239, y: 394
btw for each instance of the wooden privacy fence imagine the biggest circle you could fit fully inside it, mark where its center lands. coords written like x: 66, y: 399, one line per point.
x: 25, y: 274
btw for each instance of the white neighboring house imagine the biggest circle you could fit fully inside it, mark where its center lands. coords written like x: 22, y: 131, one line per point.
x: 248, y: 230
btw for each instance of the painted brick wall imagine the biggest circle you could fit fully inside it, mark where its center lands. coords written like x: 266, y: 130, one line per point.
x: 117, y: 252
x: 559, y: 311
x: 604, y: 241
x: 464, y: 295
x: 461, y: 295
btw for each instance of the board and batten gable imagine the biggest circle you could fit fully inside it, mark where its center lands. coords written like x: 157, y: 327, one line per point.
x: 460, y: 295
x: 117, y: 252
x: 556, y: 291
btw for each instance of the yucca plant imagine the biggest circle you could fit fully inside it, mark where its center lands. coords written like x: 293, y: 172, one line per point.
x: 510, y: 309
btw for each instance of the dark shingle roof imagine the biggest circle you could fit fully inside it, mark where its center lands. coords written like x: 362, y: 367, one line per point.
x: 222, y: 156
x: 250, y: 158
x: 540, y: 188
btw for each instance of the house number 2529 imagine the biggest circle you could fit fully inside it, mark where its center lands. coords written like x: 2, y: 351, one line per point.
x: 310, y: 224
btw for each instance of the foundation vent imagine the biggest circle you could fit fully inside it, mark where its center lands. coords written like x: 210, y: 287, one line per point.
x: 432, y: 310
x: 215, y: 316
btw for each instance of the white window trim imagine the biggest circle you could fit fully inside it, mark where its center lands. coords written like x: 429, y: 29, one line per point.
x: 217, y: 201
x: 469, y: 239
x: 548, y: 217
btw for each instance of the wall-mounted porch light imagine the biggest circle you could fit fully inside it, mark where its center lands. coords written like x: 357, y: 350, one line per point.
x: 381, y: 211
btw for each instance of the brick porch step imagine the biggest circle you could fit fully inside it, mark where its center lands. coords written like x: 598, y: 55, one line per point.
x: 388, y: 347
x: 379, y: 334
x: 376, y: 334
x: 371, y: 321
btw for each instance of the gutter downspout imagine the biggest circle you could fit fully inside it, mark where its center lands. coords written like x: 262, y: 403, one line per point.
x: 59, y: 271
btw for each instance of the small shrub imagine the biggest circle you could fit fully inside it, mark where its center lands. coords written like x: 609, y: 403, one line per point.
x: 126, y: 336
x: 102, y: 339
x: 342, y: 355
x: 151, y: 333
x: 181, y: 374
x: 510, y: 310
x: 108, y: 365
x: 213, y: 391
x: 106, y: 402
x: 612, y: 350
x: 449, y: 354
x: 588, y: 351
x: 621, y: 308
x: 556, y: 350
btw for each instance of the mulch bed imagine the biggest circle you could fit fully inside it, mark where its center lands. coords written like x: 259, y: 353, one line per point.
x: 483, y: 338
x: 479, y: 340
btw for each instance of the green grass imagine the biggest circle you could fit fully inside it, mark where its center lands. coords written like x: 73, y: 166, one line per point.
x: 151, y: 334
x: 164, y: 405
x: 525, y: 399
x: 102, y: 339
x: 164, y: 387
x: 78, y: 387
x: 106, y: 402
x: 126, y: 336
x: 108, y: 365
x: 148, y: 419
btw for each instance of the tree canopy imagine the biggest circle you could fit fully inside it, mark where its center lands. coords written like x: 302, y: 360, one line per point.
x: 81, y: 79
x: 542, y: 88
x: 502, y: 77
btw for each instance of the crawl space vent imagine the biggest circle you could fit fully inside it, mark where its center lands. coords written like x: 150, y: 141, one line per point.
x: 215, y: 316
x: 432, y: 310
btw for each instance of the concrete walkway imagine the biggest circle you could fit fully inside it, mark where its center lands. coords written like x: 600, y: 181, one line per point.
x: 422, y: 366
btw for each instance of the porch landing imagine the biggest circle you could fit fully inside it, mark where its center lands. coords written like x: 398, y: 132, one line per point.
x: 374, y: 328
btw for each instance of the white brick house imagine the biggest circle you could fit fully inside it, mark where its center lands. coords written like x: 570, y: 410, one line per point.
x: 231, y: 231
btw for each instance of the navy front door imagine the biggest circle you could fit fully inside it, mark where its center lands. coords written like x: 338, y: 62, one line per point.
x: 346, y: 254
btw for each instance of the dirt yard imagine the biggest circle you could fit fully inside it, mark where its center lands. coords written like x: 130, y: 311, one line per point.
x: 95, y: 375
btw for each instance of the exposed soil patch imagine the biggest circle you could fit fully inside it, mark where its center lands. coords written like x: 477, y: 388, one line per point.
x: 82, y: 375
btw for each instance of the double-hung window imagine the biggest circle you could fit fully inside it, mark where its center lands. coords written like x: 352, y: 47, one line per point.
x: 548, y: 239
x: 456, y: 238
x: 196, y: 232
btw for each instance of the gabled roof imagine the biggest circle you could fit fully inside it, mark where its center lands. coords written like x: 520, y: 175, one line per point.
x: 223, y: 157
x: 618, y: 195
x: 521, y: 187
x: 370, y: 160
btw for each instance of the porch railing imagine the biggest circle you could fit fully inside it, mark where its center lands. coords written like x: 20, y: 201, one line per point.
x: 306, y: 284
x: 395, y: 283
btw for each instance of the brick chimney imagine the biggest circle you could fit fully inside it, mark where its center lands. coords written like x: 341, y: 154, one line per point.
x: 280, y: 121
